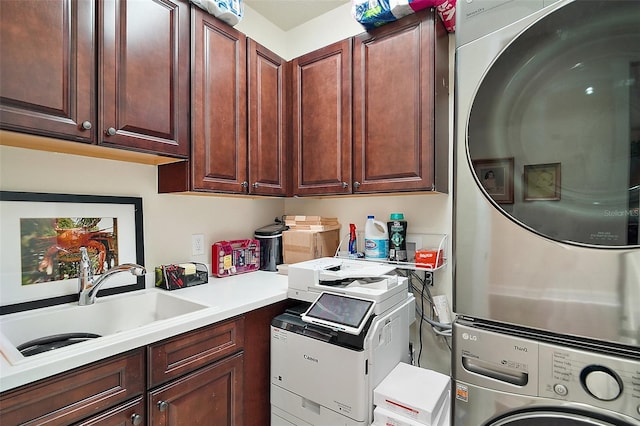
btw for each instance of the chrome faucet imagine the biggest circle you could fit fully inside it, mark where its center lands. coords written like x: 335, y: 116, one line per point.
x: 89, y: 286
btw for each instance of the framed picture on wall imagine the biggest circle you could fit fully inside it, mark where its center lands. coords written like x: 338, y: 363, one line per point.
x: 41, y: 238
x: 496, y: 177
x: 542, y: 182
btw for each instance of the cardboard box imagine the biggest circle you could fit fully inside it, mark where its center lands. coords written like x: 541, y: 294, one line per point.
x: 414, y: 393
x: 301, y: 245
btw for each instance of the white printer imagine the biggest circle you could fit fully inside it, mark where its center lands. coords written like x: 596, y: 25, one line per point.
x: 323, y: 371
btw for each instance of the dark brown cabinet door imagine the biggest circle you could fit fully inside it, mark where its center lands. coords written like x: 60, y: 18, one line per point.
x: 210, y: 396
x: 394, y: 105
x: 267, y: 120
x: 218, y: 105
x: 395, y: 111
x: 144, y: 75
x: 47, y: 71
x: 322, y: 121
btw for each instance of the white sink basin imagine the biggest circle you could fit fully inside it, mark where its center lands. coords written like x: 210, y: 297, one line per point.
x: 107, y: 316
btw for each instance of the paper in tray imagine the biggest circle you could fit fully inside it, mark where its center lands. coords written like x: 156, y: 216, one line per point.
x: 176, y: 276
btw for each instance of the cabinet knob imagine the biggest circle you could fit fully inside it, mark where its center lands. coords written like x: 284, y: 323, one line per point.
x: 345, y: 185
x: 245, y: 184
x: 163, y: 405
x: 86, y: 125
x: 111, y: 131
x: 136, y: 419
x: 356, y: 184
x: 255, y: 184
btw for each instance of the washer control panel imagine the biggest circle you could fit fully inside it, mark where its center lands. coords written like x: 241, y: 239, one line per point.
x: 608, y: 381
x: 521, y: 365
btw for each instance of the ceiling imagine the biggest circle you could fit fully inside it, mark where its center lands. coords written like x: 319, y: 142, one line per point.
x: 291, y: 13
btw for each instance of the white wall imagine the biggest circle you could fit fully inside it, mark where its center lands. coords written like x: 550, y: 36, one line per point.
x: 170, y: 220
x: 330, y: 27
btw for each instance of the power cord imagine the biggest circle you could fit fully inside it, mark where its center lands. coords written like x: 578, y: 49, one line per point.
x: 440, y: 329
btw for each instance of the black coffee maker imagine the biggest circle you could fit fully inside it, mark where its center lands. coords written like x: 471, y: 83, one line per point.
x: 270, y: 238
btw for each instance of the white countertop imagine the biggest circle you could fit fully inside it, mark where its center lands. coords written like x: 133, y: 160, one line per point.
x: 224, y: 298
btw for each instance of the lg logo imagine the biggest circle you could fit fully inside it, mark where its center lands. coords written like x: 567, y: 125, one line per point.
x: 471, y: 337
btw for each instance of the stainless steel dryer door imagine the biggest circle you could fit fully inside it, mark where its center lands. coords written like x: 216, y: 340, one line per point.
x: 551, y: 418
x: 547, y: 177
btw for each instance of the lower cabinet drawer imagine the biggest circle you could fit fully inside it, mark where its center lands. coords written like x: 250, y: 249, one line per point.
x: 187, y: 352
x: 77, y: 394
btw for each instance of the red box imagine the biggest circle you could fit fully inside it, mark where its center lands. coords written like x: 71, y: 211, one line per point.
x: 235, y: 257
x: 429, y: 258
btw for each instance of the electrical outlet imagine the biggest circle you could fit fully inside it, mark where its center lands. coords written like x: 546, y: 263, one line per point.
x: 197, y: 244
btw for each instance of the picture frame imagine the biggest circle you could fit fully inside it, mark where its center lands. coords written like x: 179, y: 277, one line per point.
x: 496, y: 178
x: 41, y: 238
x: 541, y: 182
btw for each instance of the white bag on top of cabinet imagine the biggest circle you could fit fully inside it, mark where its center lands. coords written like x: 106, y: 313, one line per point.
x: 229, y: 11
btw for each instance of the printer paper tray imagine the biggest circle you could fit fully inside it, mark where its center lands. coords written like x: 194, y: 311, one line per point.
x: 290, y: 408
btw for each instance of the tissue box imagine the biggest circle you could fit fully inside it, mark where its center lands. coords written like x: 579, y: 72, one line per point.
x: 299, y: 246
x: 176, y: 276
x: 413, y: 392
x: 429, y: 258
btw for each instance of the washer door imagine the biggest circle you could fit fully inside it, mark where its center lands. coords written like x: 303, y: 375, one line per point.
x: 554, y: 418
x: 553, y: 134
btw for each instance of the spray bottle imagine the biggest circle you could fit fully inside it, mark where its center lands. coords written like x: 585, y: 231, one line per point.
x: 353, y: 244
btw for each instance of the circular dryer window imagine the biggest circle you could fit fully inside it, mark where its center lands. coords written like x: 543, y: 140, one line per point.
x: 554, y: 129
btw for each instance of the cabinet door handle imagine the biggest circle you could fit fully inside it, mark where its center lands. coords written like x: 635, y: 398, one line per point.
x: 111, y: 131
x: 86, y: 125
x: 163, y: 405
x: 255, y: 184
x: 245, y: 184
x: 136, y: 419
x: 345, y: 185
x: 356, y: 184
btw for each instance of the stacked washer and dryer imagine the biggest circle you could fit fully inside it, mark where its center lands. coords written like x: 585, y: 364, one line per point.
x: 546, y: 248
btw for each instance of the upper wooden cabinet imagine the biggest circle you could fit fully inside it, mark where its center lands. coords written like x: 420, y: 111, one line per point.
x: 400, y: 112
x: 110, y: 72
x: 47, y: 70
x: 321, y: 121
x: 268, y: 88
x: 400, y: 100
x: 239, y: 115
x: 218, y: 105
x: 144, y: 75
